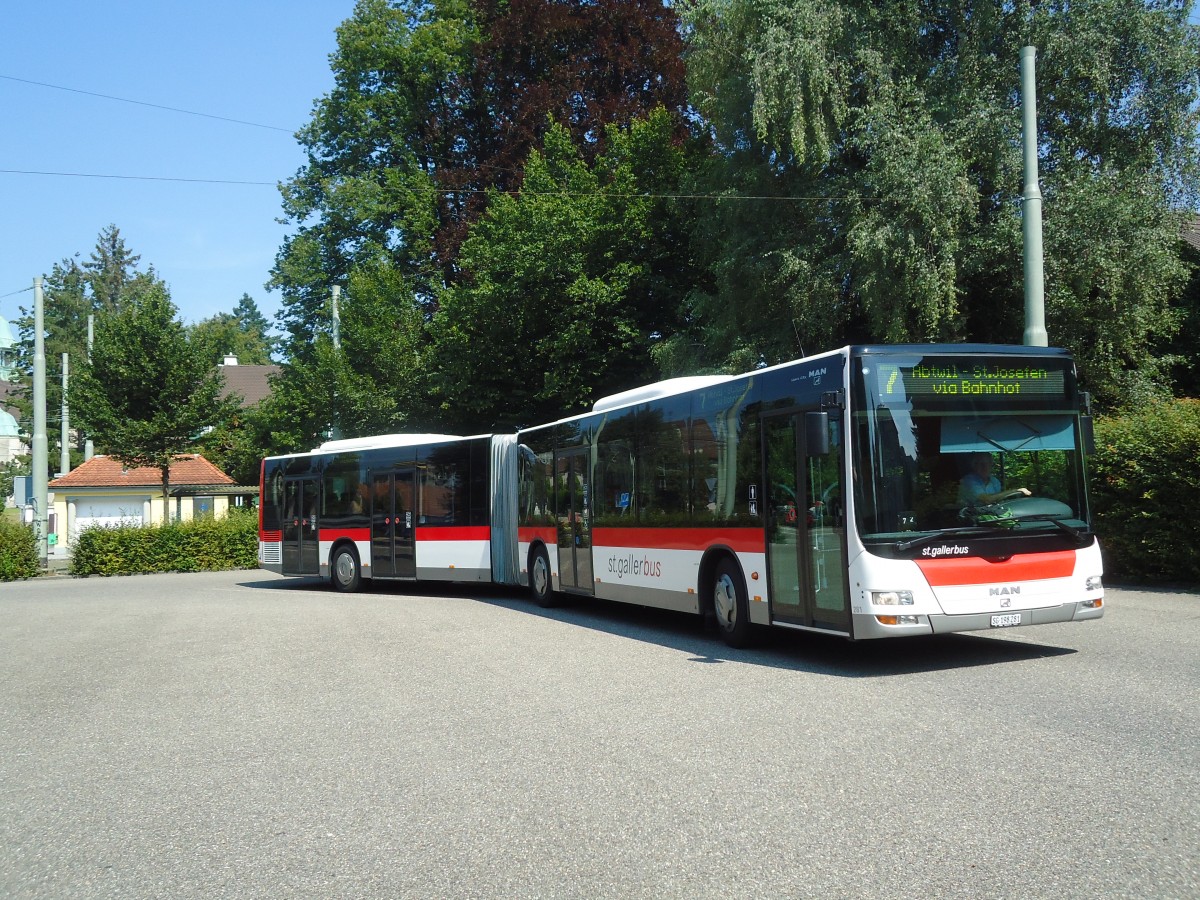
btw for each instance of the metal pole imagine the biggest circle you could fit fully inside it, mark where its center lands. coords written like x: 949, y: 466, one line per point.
x: 89, y: 449
x: 335, y: 430
x: 337, y: 318
x: 1031, y: 210
x: 64, y: 456
x: 41, y: 456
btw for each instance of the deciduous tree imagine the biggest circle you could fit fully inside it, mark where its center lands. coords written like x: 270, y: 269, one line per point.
x: 435, y: 103
x: 568, y: 284
x: 243, y: 333
x: 147, y: 395
x: 893, y: 130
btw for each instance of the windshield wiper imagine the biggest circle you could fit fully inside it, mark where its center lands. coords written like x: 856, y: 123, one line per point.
x: 1083, y: 535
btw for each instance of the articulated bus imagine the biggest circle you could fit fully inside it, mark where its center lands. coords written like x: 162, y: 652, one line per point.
x: 869, y: 492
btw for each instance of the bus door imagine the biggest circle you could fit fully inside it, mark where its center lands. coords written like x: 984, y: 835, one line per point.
x: 301, y: 546
x: 572, y: 484
x: 393, y: 525
x: 806, y: 549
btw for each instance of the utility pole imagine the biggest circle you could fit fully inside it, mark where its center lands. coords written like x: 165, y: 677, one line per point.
x: 64, y: 456
x: 337, y: 318
x: 41, y: 456
x: 1031, y: 208
x: 89, y: 449
x: 335, y: 430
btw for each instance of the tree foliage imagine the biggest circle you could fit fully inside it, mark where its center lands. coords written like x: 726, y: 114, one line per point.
x: 147, y: 394
x: 375, y: 383
x: 1145, y: 487
x: 73, y: 291
x: 434, y: 105
x: 243, y: 333
x: 895, y: 128
x: 568, y: 284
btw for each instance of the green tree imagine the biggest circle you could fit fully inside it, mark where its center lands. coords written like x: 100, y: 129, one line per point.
x: 242, y: 333
x: 888, y: 139
x: 567, y: 285
x: 1185, y: 355
x: 374, y: 383
x: 112, y: 273
x: 436, y: 102
x: 66, y: 306
x: 147, y: 395
x: 237, y: 445
x: 73, y: 291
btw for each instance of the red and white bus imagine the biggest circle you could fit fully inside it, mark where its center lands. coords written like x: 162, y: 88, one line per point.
x: 405, y: 507
x: 840, y: 493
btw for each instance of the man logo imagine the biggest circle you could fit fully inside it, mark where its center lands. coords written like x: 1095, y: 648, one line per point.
x: 1010, y: 591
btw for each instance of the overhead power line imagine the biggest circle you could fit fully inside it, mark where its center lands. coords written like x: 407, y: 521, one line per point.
x: 447, y: 191
x: 174, y: 109
x: 136, y: 177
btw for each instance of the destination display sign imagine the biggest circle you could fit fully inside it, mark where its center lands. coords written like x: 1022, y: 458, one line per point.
x: 978, y: 379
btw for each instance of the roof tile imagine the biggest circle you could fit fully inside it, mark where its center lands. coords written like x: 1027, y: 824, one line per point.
x: 105, y: 471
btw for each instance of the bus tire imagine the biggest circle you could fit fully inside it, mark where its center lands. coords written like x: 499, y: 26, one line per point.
x: 729, y: 604
x: 344, y: 570
x: 541, y: 584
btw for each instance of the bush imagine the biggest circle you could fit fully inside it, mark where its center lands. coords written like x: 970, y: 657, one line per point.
x: 18, y: 551
x: 202, y: 545
x: 1145, y: 485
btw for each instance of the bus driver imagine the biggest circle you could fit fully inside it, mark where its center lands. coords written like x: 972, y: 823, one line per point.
x: 980, y: 487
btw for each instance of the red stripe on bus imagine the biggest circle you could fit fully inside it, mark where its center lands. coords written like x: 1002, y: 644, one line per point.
x: 271, y: 536
x: 530, y: 533
x: 1020, y: 567
x: 454, y: 533
x: 745, y: 540
x: 353, y: 534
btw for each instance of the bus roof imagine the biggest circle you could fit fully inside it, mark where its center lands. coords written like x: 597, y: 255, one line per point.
x: 659, y: 389
x: 372, y: 442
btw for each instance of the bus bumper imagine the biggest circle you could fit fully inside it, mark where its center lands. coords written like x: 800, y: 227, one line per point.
x: 867, y: 627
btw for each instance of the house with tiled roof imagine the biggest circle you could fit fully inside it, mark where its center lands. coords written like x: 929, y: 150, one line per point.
x: 251, y: 383
x: 104, y: 491
x: 1191, y: 232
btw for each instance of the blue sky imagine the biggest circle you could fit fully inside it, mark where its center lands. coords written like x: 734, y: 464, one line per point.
x: 264, y: 61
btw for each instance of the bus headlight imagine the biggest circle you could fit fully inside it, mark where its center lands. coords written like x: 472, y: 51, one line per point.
x: 1094, y: 583
x: 892, y: 598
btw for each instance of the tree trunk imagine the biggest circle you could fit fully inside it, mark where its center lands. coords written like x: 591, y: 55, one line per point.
x: 166, y: 483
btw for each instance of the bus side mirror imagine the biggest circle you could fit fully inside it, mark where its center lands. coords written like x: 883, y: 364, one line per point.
x: 1089, y: 434
x: 816, y: 433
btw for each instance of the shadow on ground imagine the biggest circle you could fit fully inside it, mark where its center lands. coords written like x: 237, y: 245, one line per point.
x: 778, y: 648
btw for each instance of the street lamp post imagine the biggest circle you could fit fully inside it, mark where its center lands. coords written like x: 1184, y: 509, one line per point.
x: 1031, y: 209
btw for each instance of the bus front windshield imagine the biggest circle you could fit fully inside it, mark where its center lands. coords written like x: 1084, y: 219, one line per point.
x: 971, y: 447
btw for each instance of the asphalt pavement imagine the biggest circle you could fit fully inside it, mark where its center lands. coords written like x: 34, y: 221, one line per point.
x: 241, y: 735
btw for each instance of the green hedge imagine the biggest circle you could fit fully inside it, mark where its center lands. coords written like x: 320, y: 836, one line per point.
x: 202, y: 545
x: 1145, y: 487
x: 18, y: 551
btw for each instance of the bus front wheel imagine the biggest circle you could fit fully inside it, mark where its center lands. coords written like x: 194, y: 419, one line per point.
x: 344, y: 570
x: 729, y: 602
x: 540, y: 584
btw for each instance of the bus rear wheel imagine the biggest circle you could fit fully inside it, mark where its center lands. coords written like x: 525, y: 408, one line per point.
x: 344, y: 570
x: 540, y: 584
x: 730, y: 606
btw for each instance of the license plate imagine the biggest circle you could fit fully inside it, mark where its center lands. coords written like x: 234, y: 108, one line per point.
x: 1006, y: 620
